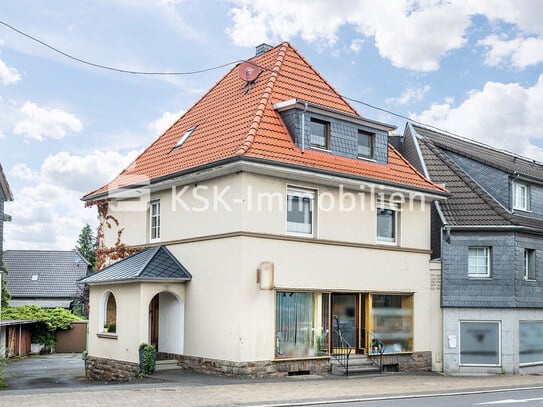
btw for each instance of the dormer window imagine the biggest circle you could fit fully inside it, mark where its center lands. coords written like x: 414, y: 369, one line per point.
x: 320, y: 134
x: 365, y: 144
x: 520, y: 196
x: 184, y: 137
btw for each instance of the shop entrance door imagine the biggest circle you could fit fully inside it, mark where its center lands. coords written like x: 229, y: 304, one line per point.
x: 344, y: 321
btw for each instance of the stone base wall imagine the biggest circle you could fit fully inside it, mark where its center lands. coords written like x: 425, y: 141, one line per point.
x: 254, y: 369
x: 413, y: 362
x: 110, y: 370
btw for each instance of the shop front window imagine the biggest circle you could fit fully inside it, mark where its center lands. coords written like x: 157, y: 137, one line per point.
x: 392, y: 323
x: 531, y: 342
x: 299, y: 330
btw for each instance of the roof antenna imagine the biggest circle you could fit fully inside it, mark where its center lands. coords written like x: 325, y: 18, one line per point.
x: 248, y: 72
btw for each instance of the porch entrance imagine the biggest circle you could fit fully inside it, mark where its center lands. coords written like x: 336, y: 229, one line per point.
x: 166, y: 323
x: 348, y: 321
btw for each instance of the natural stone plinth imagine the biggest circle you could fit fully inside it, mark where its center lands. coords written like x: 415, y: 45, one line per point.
x: 110, y: 370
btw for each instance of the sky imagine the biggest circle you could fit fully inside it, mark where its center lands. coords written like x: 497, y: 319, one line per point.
x: 473, y: 68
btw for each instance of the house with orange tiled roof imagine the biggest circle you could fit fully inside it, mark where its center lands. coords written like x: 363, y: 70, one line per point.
x: 271, y: 230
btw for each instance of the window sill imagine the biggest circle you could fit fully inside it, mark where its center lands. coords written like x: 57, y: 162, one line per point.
x: 384, y: 243
x: 369, y: 159
x: 479, y: 278
x: 106, y: 335
x: 289, y: 358
x: 530, y: 280
x: 323, y: 149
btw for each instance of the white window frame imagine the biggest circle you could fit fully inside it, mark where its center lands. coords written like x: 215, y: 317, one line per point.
x: 488, y: 251
x: 303, y: 193
x: 327, y: 134
x: 103, y: 310
x: 396, y: 209
x: 517, y: 186
x: 371, y: 137
x: 152, y: 239
x: 534, y: 363
x: 529, y: 264
x: 499, y: 343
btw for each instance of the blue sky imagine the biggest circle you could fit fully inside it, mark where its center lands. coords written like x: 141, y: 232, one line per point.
x: 470, y: 67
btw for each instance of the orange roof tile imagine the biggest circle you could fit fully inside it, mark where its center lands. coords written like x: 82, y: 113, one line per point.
x: 232, y: 122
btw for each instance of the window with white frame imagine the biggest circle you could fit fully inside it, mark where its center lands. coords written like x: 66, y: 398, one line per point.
x: 387, y: 223
x: 154, y: 221
x: 529, y: 264
x: 520, y: 196
x: 300, y: 211
x: 320, y: 134
x: 480, y: 343
x: 479, y: 262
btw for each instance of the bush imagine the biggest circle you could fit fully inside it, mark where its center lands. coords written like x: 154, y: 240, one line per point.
x: 3, y: 361
x: 147, y: 359
x: 49, y: 320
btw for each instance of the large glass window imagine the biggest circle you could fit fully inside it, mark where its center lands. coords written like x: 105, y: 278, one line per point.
x: 320, y: 134
x: 529, y: 264
x: 479, y: 343
x: 387, y: 225
x: 300, y: 211
x: 392, y: 322
x: 531, y: 342
x: 298, y: 325
x: 479, y: 262
x: 154, y: 212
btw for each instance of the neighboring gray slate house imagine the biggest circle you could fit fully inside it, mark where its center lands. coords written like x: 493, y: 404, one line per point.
x: 47, y: 278
x: 489, y: 236
x: 5, y: 195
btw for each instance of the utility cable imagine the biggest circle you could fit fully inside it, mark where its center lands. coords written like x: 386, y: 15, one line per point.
x: 110, y: 68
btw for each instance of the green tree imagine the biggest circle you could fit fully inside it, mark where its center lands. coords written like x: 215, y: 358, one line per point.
x: 5, y: 293
x: 86, y: 245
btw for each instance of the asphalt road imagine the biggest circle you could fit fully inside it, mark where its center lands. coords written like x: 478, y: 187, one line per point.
x: 527, y: 398
x: 45, y: 371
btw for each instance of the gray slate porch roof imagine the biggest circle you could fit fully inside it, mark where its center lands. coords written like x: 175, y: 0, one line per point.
x: 151, y: 264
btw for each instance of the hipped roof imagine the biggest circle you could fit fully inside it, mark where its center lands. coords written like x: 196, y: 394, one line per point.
x: 235, y: 122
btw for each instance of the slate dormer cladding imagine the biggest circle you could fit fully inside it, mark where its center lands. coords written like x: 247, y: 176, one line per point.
x: 343, y: 132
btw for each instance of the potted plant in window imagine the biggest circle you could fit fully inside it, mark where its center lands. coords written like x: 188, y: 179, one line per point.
x: 106, y: 328
x: 112, y: 328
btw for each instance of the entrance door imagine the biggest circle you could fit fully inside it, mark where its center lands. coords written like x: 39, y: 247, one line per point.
x: 349, y: 319
x: 153, y: 321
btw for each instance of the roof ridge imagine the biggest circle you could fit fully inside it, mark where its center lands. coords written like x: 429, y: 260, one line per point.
x: 246, y: 145
x: 325, y: 81
x: 427, y: 179
x: 474, y: 186
x: 467, y: 140
x: 151, y: 257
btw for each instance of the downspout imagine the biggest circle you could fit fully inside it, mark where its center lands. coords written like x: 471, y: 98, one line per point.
x: 303, y: 127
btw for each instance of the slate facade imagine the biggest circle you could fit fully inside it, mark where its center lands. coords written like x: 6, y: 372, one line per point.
x: 502, y: 309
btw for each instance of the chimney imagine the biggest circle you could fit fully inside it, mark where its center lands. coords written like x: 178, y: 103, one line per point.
x: 262, y: 48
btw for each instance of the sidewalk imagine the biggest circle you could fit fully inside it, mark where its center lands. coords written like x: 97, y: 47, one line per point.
x: 199, y: 390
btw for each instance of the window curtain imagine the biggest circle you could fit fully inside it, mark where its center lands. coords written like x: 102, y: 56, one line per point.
x: 294, y: 324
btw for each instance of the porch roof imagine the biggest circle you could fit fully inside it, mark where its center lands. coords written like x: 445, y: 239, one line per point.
x: 151, y: 264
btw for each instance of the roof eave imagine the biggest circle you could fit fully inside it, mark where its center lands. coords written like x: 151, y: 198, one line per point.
x: 138, y: 280
x: 271, y: 167
x: 314, y: 108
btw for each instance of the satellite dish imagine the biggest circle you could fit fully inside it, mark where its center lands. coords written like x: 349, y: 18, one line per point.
x: 248, y: 72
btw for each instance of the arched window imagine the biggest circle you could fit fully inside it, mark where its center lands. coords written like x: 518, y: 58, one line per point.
x: 108, y: 314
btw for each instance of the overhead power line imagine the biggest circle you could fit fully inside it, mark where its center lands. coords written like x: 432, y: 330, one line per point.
x: 127, y: 71
x: 111, y: 68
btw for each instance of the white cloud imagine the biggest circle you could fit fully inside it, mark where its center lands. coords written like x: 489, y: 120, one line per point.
x: 8, y: 76
x: 48, y: 212
x: 518, y: 52
x: 412, y: 34
x: 41, y: 123
x: 164, y: 122
x: 356, y: 45
x: 507, y: 116
x: 410, y: 95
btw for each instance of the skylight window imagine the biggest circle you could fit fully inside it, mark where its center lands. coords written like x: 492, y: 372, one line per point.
x: 35, y: 277
x: 184, y: 137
